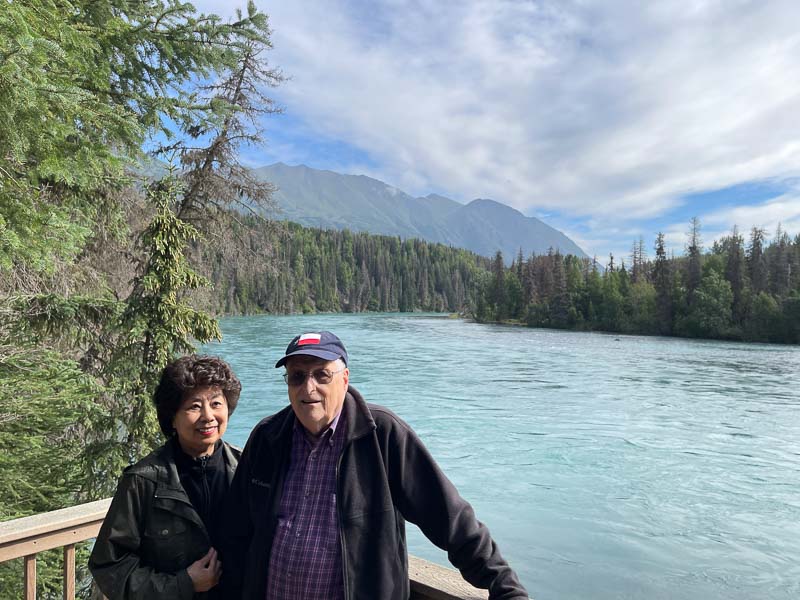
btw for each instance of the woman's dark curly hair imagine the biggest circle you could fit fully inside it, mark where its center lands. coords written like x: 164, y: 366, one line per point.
x: 188, y: 373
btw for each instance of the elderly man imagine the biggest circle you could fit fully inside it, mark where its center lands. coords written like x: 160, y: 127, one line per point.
x: 323, y: 490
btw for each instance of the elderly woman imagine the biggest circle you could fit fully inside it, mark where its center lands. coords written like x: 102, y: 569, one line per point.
x: 158, y: 540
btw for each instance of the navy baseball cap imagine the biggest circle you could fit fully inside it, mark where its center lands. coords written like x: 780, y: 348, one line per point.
x: 322, y: 344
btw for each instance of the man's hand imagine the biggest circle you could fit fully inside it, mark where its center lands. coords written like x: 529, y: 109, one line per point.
x: 205, y: 572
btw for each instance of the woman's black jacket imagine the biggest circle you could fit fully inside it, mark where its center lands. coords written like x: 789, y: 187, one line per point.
x: 152, y: 533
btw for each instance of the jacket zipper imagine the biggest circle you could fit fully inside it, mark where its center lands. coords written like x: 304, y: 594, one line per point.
x: 342, y: 544
x: 206, y: 489
x: 341, y: 520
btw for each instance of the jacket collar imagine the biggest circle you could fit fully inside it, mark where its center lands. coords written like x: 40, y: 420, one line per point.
x: 169, y: 491
x: 359, y: 419
x: 163, y: 459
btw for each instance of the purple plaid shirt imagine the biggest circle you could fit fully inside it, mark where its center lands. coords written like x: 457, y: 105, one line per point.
x: 306, y: 558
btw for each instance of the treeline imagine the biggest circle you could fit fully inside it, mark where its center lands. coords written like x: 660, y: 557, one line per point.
x: 738, y: 290
x: 314, y: 270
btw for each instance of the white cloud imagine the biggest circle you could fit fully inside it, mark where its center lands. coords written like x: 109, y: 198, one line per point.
x: 599, y: 110
x: 783, y: 211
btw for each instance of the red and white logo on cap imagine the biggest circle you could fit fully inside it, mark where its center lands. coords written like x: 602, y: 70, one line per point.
x: 309, y: 338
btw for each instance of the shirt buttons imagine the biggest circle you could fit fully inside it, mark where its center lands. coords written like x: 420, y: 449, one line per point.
x: 164, y: 531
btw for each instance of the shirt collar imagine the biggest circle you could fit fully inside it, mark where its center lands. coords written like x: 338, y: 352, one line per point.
x: 325, y: 435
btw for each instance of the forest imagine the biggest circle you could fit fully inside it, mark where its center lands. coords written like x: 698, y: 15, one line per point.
x: 737, y: 290
x: 305, y: 270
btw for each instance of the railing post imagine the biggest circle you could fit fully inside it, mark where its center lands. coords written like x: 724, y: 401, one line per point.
x: 69, y: 572
x: 30, y: 577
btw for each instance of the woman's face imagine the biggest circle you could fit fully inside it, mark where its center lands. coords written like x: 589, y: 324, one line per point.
x: 201, y: 420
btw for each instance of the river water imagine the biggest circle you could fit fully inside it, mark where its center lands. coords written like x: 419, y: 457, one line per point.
x: 606, y: 467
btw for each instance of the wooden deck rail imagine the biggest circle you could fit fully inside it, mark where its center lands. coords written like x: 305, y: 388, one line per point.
x: 28, y: 536
x: 66, y: 527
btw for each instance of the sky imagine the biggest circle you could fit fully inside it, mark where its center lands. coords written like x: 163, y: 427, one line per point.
x: 609, y: 120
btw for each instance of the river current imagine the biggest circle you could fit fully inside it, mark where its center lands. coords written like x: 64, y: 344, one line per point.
x: 606, y: 467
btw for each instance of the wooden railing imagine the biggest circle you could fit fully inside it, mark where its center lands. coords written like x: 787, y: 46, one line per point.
x: 433, y: 582
x: 28, y: 536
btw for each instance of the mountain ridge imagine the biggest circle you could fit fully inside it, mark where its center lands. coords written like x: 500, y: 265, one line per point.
x: 331, y: 200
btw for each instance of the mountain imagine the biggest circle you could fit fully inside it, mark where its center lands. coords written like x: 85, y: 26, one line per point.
x: 334, y: 201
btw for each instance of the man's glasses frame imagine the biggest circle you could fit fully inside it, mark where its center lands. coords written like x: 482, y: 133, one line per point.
x: 321, y: 376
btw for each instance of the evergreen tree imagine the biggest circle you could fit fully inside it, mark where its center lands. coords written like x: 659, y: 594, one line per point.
x: 498, y: 295
x: 638, y: 261
x: 694, y: 264
x: 735, y: 274
x: 755, y: 261
x: 612, y: 306
x: 779, y: 264
x: 520, y: 265
x: 594, y: 294
x: 559, y: 305
x: 516, y: 306
x: 663, y: 282
x: 791, y: 319
x: 571, y: 293
x: 214, y: 178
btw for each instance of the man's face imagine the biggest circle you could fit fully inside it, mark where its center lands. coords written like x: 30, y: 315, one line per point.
x: 316, y: 404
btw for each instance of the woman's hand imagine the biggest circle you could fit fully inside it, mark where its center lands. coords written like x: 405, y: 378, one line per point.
x: 205, y: 572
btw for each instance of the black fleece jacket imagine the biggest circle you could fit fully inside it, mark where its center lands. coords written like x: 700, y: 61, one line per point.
x: 385, y: 476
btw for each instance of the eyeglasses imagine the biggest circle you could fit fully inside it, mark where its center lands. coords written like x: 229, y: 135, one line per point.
x: 321, y: 376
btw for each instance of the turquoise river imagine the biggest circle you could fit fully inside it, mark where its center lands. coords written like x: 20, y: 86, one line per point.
x: 606, y: 467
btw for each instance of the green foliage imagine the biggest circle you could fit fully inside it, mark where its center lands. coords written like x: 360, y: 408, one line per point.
x: 53, y: 126
x: 498, y: 293
x: 791, y: 319
x: 154, y: 316
x: 766, y: 322
x: 286, y: 268
x: 156, y: 324
x: 611, y: 307
x: 710, y: 314
x: 88, y: 321
x: 36, y: 234
x: 709, y: 295
x: 643, y: 308
x: 46, y: 408
x: 47, y: 403
x: 514, y: 296
x: 82, y: 86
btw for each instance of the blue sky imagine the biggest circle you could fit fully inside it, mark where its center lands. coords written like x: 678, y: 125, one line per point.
x: 609, y: 120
